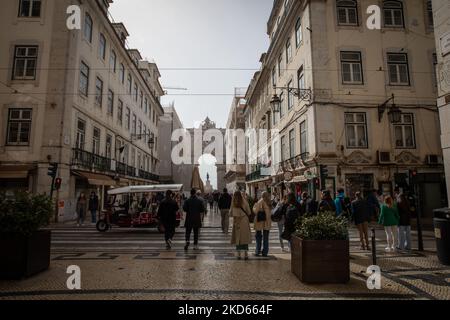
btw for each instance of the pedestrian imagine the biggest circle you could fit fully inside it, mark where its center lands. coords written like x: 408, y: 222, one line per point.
x: 279, y: 216
x: 389, y: 218
x: 81, y: 208
x: 404, y: 225
x: 194, y: 208
x: 224, y: 207
x: 216, y: 197
x: 361, y: 217
x: 374, y: 204
x: 327, y: 204
x: 93, y: 206
x: 339, y: 202
x: 204, y: 200
x: 263, y: 224
x: 167, y: 215
x: 241, y: 235
x: 292, y: 215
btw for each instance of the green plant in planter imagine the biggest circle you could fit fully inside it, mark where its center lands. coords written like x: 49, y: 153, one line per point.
x: 324, y: 226
x: 24, y: 213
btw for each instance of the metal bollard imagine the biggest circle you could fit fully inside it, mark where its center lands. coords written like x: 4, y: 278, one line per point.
x: 374, y: 248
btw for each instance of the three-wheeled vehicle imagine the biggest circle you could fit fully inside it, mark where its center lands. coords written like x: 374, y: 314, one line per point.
x: 124, y: 210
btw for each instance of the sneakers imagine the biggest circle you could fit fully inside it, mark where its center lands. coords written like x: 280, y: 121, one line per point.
x: 387, y: 249
x: 186, y: 247
x: 196, y: 247
x: 169, y: 244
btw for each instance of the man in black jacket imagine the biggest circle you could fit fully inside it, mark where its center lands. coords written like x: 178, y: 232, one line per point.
x: 224, y: 207
x: 194, y: 208
x: 167, y: 214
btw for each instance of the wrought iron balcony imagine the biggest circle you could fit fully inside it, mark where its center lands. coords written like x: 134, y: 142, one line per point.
x: 88, y: 160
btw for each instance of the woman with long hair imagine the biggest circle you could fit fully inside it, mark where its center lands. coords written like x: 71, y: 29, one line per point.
x: 263, y: 224
x: 241, y: 236
x: 82, y: 205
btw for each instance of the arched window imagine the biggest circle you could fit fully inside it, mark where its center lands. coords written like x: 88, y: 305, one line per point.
x: 298, y: 32
x: 347, y: 12
x: 88, y: 26
x: 393, y: 14
x: 430, y: 14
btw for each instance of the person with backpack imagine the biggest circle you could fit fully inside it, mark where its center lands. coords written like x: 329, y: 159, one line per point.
x: 194, y: 208
x: 263, y: 224
x: 340, y: 202
x: 279, y: 216
x: 167, y: 215
x: 361, y: 216
x: 224, y: 207
x: 292, y: 215
x: 241, y: 235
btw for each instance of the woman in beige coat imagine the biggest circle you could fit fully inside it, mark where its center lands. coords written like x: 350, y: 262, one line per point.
x: 242, y: 235
x: 263, y: 226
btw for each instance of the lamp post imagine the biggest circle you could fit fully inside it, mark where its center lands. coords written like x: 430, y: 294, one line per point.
x: 394, y: 112
x: 302, y: 94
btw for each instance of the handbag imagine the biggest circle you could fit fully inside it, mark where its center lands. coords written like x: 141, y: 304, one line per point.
x: 277, y: 214
x: 251, y: 216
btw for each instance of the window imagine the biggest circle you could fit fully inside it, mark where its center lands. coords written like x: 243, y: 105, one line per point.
x: 154, y: 116
x: 84, y: 78
x: 141, y: 99
x: 303, y: 138
x: 393, y: 14
x: 430, y: 17
x: 280, y: 62
x: 19, y: 127
x: 122, y: 74
x: 290, y: 96
x: 102, y: 46
x: 96, y: 141
x: 25, y: 62
x: 144, y: 129
x: 301, y: 78
x: 298, y: 32
x: 356, y: 130
x: 99, y: 91
x: 127, y: 119
x: 108, y: 147
x: 398, y: 69
x: 282, y: 105
x: 119, y: 112
x: 434, y: 71
x: 88, y: 26
x: 292, y: 143
x: 30, y: 8
x: 274, y: 77
x: 347, y: 12
x: 110, y: 109
x: 146, y: 106
x: 133, y: 124
x: 130, y: 83
x: 81, y: 135
x: 113, y: 61
x: 139, y: 129
x: 351, y: 66
x: 288, y: 51
x: 135, y: 94
x: 283, y: 148
x: 404, y: 132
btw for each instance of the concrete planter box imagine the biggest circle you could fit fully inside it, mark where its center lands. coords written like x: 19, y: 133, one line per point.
x: 22, y: 256
x: 320, y: 261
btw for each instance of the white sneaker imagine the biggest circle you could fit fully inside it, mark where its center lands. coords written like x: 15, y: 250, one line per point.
x: 196, y: 247
x: 387, y: 249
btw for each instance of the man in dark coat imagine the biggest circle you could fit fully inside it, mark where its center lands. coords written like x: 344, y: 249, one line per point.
x: 93, y: 206
x: 167, y: 215
x: 194, y: 208
x: 224, y: 207
x: 327, y: 204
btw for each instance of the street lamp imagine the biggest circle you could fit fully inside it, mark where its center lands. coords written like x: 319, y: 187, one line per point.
x: 394, y: 112
x: 275, y: 103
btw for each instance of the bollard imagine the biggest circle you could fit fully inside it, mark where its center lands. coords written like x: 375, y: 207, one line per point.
x: 374, y: 248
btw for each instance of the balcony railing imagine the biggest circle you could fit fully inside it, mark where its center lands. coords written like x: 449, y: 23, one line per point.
x: 90, y: 161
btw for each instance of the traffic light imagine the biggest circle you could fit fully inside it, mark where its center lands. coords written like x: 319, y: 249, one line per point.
x: 52, y: 170
x: 323, y: 171
x: 58, y: 182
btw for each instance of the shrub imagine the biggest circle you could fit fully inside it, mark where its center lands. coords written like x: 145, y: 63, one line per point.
x: 24, y: 213
x: 324, y: 226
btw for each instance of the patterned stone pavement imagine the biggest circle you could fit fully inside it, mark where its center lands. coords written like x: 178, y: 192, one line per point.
x: 133, y: 264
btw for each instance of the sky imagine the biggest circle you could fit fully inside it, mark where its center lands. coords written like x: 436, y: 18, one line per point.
x: 183, y: 36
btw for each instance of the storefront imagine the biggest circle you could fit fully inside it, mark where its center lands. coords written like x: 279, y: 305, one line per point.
x: 16, y: 177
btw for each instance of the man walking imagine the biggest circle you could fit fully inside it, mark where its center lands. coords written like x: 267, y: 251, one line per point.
x: 224, y: 207
x: 93, y: 206
x: 194, y: 208
x: 167, y: 215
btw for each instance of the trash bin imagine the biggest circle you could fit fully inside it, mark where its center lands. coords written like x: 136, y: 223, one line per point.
x: 442, y: 233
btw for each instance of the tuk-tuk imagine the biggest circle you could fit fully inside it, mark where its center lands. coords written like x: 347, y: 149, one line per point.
x: 132, y: 213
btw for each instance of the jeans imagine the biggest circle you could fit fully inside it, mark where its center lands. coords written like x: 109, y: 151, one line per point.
x: 225, y: 213
x: 188, y: 235
x: 404, y: 237
x: 262, y: 236
x: 80, y: 216
x: 94, y: 216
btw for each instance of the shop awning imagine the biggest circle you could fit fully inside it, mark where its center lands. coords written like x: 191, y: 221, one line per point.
x: 96, y: 179
x: 298, y: 179
x: 15, y: 171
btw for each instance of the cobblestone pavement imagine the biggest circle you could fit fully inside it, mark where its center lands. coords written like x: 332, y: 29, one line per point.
x: 133, y: 264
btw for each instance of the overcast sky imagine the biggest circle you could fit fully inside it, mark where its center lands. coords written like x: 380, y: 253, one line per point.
x: 180, y: 34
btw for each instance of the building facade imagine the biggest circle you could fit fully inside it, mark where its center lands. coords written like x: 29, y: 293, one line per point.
x: 78, y: 98
x: 441, y: 10
x: 342, y: 87
x: 235, y: 169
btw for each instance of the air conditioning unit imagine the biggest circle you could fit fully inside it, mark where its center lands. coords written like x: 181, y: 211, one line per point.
x: 384, y: 157
x: 434, y: 159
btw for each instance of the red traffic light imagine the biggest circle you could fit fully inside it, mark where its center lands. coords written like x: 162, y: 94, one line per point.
x: 58, y: 182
